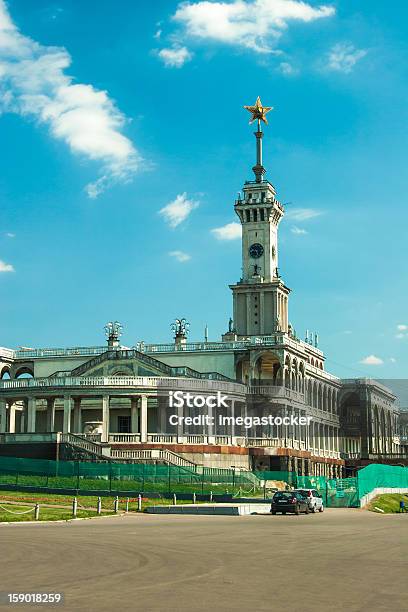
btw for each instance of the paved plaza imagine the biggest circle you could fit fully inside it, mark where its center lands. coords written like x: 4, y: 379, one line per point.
x: 338, y: 560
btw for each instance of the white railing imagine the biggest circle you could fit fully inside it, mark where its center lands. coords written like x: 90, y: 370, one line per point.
x: 274, y: 339
x: 162, y: 438
x: 146, y: 455
x: 80, y: 442
x: 154, y: 454
x: 124, y: 438
x: 278, y: 338
x: 278, y: 391
x: 90, y: 436
x: 78, y: 351
x: 118, y: 438
x: 196, y: 439
x: 6, y: 353
x: 273, y: 442
x: 171, y: 457
x: 150, y: 382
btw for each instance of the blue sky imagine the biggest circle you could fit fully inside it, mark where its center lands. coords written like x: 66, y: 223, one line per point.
x: 111, y: 112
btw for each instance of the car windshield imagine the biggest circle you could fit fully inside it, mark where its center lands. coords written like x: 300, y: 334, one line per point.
x: 283, y: 495
x: 302, y: 493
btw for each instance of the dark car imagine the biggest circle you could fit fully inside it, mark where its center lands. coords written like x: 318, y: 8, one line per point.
x: 289, y: 501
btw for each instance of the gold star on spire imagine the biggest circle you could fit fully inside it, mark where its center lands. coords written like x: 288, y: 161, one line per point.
x: 258, y: 111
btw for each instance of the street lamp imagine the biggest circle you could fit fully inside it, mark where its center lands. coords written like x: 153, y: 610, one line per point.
x: 233, y: 477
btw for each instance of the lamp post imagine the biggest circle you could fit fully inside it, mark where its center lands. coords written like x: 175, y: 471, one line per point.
x: 233, y: 477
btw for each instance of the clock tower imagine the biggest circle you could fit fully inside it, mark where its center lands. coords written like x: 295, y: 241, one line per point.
x: 260, y: 297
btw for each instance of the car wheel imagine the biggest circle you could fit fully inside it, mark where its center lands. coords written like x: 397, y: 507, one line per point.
x: 313, y: 509
x: 283, y: 512
x: 273, y: 511
x: 307, y: 510
x: 321, y: 509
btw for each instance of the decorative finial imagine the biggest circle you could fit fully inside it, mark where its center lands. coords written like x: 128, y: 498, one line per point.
x: 113, y: 331
x: 180, y: 327
x: 258, y: 111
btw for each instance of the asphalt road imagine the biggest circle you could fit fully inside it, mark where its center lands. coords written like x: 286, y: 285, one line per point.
x: 339, y: 560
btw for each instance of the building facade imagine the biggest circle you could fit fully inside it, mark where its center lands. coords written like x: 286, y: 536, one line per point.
x: 117, y: 398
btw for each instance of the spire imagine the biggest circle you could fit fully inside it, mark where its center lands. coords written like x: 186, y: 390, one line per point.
x: 258, y: 113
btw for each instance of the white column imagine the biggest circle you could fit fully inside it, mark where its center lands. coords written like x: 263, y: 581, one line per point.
x: 105, y: 418
x: 143, y: 418
x: 12, y: 417
x: 23, y: 421
x: 77, y: 415
x: 134, y: 416
x: 163, y: 418
x: 66, y: 428
x: 179, y: 426
x: 50, y: 414
x: 31, y: 414
x: 3, y: 415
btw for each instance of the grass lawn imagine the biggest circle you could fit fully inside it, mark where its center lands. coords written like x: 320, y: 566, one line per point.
x: 7, y: 513
x: 388, y: 502
x: 86, y: 504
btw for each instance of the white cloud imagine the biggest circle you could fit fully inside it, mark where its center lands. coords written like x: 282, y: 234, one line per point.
x: 178, y: 210
x: 256, y: 25
x: 400, y: 336
x: 175, y: 57
x: 298, y: 231
x: 372, y: 360
x: 393, y: 360
x: 402, y: 327
x: 287, y: 69
x: 180, y: 256
x: 4, y: 267
x: 342, y: 57
x: 33, y: 83
x: 302, y: 214
x: 10, y: 235
x: 231, y: 231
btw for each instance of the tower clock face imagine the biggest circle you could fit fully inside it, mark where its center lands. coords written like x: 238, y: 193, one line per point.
x: 256, y: 250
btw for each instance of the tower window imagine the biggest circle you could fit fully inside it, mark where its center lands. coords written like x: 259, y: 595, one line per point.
x: 263, y: 196
x: 262, y: 213
x: 248, y: 215
x: 255, y: 214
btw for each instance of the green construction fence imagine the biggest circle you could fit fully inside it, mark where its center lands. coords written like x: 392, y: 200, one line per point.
x: 381, y: 476
x: 113, y: 477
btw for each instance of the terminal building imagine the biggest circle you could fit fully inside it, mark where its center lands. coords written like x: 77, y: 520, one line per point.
x: 112, y: 401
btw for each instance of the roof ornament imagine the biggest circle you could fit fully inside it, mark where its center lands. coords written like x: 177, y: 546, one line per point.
x: 180, y: 327
x: 113, y: 331
x: 258, y: 113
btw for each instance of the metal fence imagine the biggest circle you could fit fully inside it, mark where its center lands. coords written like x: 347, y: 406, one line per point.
x: 336, y: 492
x: 123, y: 477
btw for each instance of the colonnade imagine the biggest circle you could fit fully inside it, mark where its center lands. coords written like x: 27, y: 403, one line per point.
x: 72, y: 414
